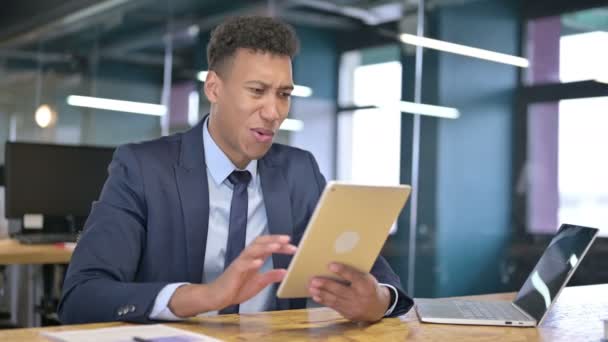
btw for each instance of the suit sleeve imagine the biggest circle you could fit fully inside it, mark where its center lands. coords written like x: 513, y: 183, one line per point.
x: 384, y: 274
x: 100, y: 282
x: 381, y: 269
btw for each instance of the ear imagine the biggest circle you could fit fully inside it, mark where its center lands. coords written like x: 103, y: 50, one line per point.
x: 212, y: 86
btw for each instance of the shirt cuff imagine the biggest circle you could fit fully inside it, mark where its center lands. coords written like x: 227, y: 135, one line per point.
x: 394, y: 304
x: 161, y: 310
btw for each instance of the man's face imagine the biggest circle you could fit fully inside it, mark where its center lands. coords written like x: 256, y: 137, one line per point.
x: 250, y: 101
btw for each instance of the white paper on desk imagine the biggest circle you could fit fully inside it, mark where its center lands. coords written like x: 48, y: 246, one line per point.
x: 153, y: 333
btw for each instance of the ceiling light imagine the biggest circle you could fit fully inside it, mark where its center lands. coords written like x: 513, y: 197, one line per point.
x: 464, y: 50
x: 117, y: 105
x: 422, y: 109
x: 45, y: 116
x: 193, y: 30
x: 301, y: 91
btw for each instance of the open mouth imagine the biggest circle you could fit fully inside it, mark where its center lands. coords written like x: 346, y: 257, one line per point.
x: 262, y: 134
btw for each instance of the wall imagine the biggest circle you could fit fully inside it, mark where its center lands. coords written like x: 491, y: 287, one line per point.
x: 316, y: 66
x: 465, y: 166
x: 474, y: 152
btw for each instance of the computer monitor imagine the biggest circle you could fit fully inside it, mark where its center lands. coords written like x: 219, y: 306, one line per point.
x: 53, y: 180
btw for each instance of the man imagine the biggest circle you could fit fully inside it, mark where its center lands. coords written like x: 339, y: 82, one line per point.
x: 206, y: 221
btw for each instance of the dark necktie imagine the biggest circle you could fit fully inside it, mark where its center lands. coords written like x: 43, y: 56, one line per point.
x: 237, y: 226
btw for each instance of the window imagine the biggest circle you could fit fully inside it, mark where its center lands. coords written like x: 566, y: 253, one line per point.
x: 565, y: 165
x: 582, y: 162
x: 568, y: 47
x: 369, y: 140
x: 584, y: 56
x: 370, y: 151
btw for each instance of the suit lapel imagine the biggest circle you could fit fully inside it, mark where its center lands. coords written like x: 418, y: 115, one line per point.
x: 191, y: 176
x: 278, y: 212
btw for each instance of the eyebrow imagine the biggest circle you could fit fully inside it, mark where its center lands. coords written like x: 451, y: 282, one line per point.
x: 266, y: 85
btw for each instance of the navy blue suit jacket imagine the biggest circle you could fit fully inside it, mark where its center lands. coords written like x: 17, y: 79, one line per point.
x: 149, y: 226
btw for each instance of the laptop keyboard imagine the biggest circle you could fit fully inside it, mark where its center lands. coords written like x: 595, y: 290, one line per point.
x: 489, y: 310
x: 468, y: 310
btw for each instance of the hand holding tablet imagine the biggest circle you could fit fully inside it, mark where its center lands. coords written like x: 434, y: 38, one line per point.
x: 349, y: 226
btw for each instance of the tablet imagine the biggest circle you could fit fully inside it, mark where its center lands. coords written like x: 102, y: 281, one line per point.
x: 349, y: 225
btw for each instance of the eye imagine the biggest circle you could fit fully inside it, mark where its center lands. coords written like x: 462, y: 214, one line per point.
x: 285, y: 94
x: 257, y: 91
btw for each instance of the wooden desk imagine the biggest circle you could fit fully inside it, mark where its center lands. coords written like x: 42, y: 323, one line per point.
x: 576, y: 317
x: 12, y: 253
x: 28, y: 279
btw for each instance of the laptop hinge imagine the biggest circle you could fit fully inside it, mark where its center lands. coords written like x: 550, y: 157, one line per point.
x: 524, y: 312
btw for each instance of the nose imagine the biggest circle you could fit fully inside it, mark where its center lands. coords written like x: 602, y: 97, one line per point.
x: 271, y: 110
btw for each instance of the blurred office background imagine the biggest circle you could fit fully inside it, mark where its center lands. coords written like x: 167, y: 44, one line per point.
x: 511, y: 148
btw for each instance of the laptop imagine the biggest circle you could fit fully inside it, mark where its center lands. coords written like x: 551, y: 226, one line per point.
x: 535, y: 298
x: 349, y: 225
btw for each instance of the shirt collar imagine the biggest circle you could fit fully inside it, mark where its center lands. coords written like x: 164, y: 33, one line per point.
x: 218, y: 163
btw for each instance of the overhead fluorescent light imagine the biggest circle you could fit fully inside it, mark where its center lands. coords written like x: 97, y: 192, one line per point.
x: 91, y: 11
x: 422, y: 109
x: 429, y: 110
x: 292, y: 125
x: 298, y: 90
x: 464, y: 50
x: 117, y: 105
x: 301, y: 91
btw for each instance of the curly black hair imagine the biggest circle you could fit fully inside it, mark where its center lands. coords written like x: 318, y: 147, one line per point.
x: 258, y: 33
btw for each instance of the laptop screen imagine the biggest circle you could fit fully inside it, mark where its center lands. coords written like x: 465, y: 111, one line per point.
x: 554, y: 268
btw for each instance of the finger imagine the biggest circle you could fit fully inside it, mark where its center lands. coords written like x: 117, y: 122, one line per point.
x: 334, y: 287
x: 330, y: 300
x: 282, y: 239
x: 351, y: 274
x: 240, y: 271
x: 260, y: 250
x: 273, y: 276
x: 262, y: 280
x: 316, y: 292
x: 242, y: 265
x: 338, y: 306
x: 287, y: 249
x: 270, y: 244
x: 259, y: 282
